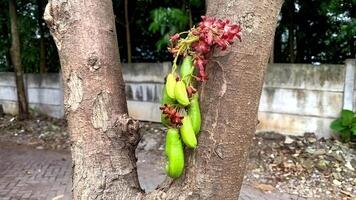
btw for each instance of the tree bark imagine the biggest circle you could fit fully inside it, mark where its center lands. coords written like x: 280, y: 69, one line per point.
x: 271, y: 56
x: 128, y: 35
x: 291, y: 37
x: 16, y: 61
x: 190, y: 16
x: 43, y: 67
x: 229, y: 103
x: 104, y: 138
x: 277, y: 52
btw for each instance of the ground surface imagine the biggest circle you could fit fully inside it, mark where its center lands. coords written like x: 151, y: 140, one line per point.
x: 27, y: 173
x: 30, y: 174
x: 280, y: 168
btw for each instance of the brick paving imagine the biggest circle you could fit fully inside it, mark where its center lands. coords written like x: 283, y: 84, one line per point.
x: 29, y: 174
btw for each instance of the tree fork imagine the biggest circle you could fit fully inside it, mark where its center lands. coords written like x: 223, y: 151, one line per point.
x: 104, y: 138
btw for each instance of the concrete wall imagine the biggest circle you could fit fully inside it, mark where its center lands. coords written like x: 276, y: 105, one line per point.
x: 301, y: 98
x: 295, y: 99
x: 44, y: 93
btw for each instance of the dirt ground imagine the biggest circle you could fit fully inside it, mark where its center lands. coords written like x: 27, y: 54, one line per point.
x: 280, y: 167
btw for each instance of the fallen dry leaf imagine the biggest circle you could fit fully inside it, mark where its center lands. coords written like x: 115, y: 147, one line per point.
x: 263, y: 187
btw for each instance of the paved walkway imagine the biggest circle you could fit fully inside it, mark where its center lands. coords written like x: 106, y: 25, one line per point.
x: 26, y: 173
x: 30, y: 174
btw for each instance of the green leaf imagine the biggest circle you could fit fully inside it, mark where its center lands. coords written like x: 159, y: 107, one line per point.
x: 162, y: 43
x: 337, y: 126
x: 353, y: 129
x: 345, y: 136
x: 347, y: 117
x: 166, y: 22
x: 196, y: 3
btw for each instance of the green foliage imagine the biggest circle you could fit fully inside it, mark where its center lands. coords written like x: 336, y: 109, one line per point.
x: 345, y: 126
x: 324, y: 31
x: 196, y: 3
x: 144, y: 41
x: 4, y: 38
x: 29, y: 14
x: 28, y: 26
x: 167, y: 21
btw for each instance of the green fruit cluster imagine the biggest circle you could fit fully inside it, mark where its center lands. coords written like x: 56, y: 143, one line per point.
x: 185, y: 133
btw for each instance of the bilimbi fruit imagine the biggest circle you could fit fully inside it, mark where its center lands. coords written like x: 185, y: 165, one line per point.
x: 170, y: 85
x: 174, y: 153
x: 180, y: 92
x: 180, y: 100
x: 187, y: 132
x: 194, y: 113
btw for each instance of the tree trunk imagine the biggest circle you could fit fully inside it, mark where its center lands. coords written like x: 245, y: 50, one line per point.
x: 300, y: 44
x: 16, y: 61
x: 42, y: 39
x: 186, y: 7
x: 291, y: 44
x: 271, y: 56
x: 128, y: 36
x: 277, y: 50
x: 104, y: 138
x: 291, y: 37
x: 190, y: 16
x: 229, y: 103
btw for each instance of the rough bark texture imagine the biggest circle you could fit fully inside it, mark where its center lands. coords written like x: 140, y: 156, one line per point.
x: 16, y: 62
x: 128, y: 35
x: 103, y: 137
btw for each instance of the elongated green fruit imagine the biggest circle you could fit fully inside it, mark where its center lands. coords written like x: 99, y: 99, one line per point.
x: 187, y: 133
x: 170, y: 85
x: 181, y: 94
x: 187, y: 67
x: 175, y: 153
x: 194, y: 113
x: 165, y: 98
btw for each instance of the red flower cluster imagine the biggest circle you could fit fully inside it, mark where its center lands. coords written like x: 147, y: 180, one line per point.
x: 174, y: 38
x: 172, y: 114
x: 191, y: 90
x: 212, y: 32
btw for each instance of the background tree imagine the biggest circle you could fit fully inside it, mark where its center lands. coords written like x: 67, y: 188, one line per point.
x: 40, y: 8
x: 141, y: 13
x: 29, y: 17
x: 128, y: 34
x: 324, y: 31
x: 342, y: 32
x: 321, y: 31
x: 104, y: 137
x: 16, y: 62
x: 169, y: 20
